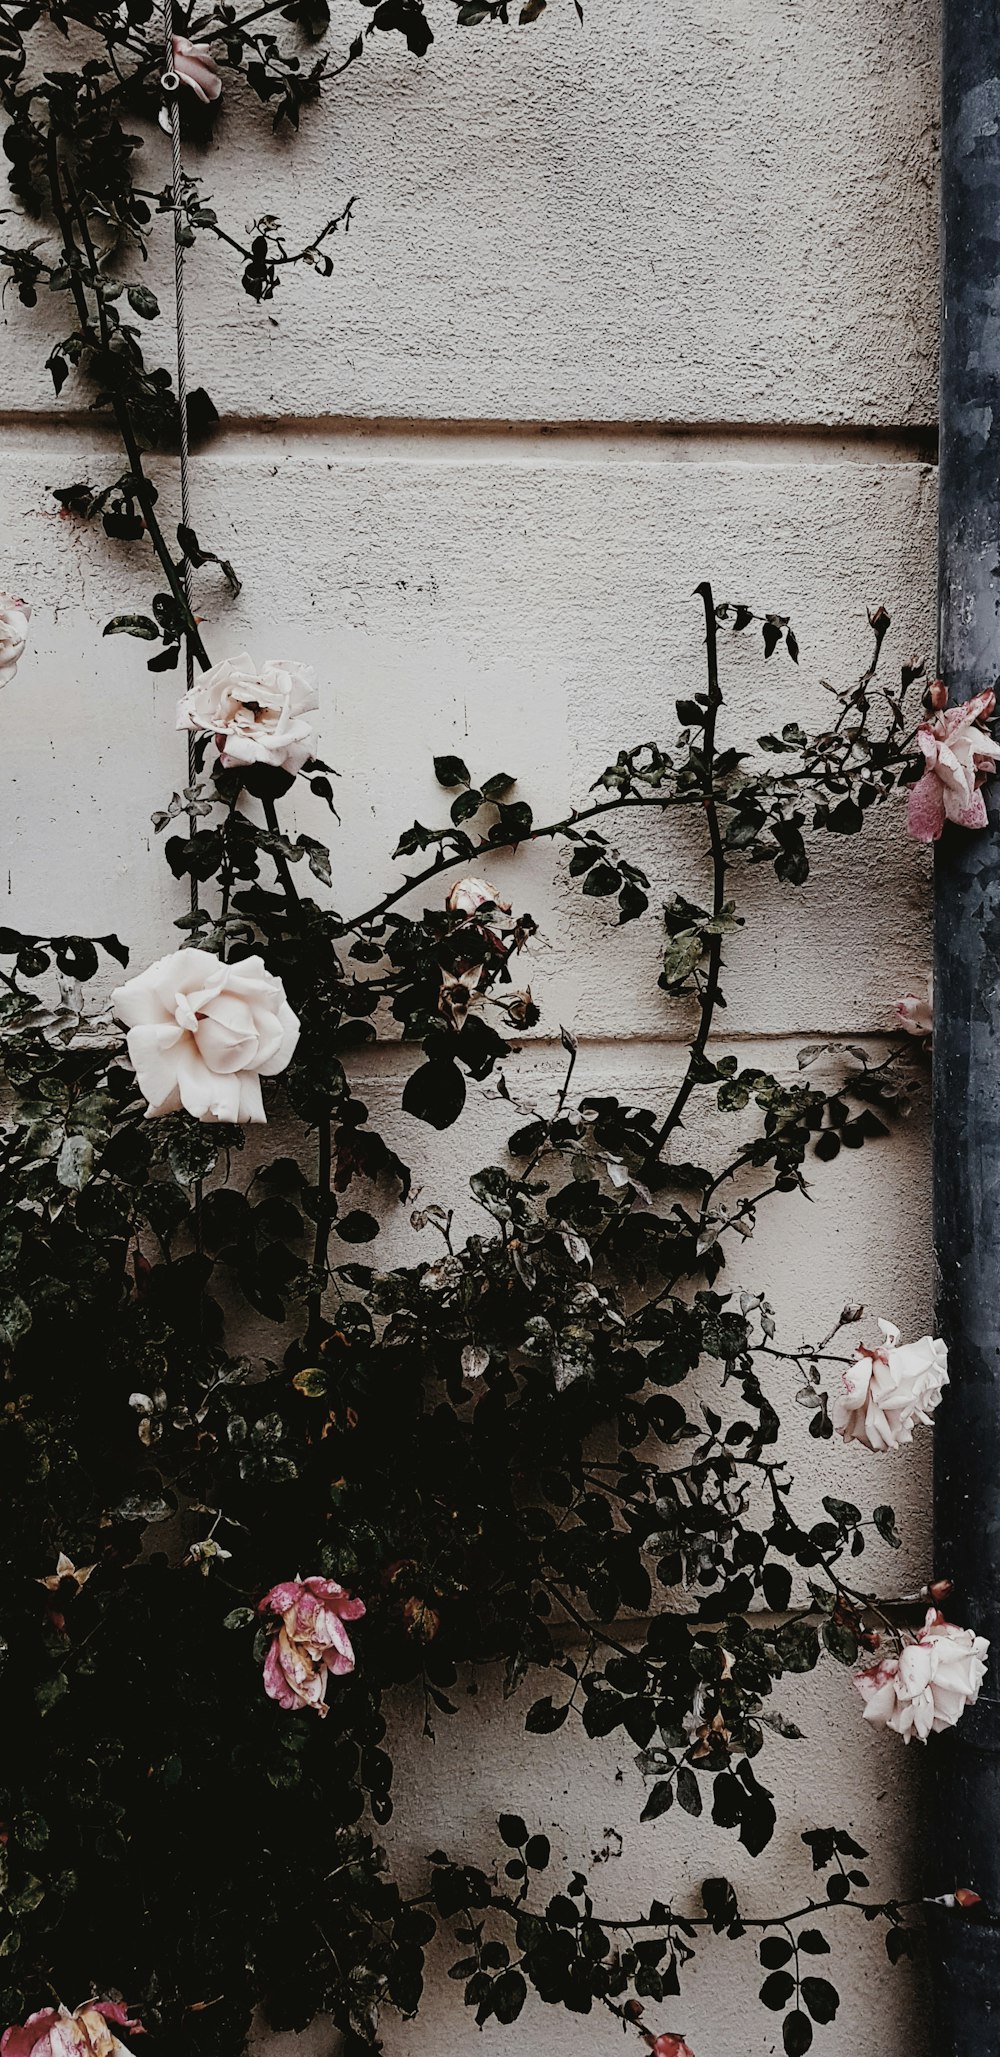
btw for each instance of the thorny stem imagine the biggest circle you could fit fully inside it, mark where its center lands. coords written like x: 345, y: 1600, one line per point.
x: 569, y: 1044
x: 710, y: 992
x: 119, y: 403
x: 280, y: 861
x: 487, y: 844
x: 669, y: 1919
x: 243, y: 22
x: 324, y: 1148
x: 324, y: 1213
x: 291, y: 256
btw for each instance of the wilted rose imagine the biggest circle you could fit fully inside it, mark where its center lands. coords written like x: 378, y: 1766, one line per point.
x: 885, y: 1391
x: 202, y: 1034
x: 194, y: 63
x: 256, y: 717
x: 930, y: 1684
x: 670, y: 2046
x: 958, y: 756
x: 205, y: 1554
x: 67, y: 1570
x: 14, y: 618
x: 915, y: 1013
x: 467, y: 896
x: 311, y: 1643
x: 56, y: 2032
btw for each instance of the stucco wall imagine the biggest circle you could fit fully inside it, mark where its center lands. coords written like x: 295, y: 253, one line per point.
x: 623, y: 307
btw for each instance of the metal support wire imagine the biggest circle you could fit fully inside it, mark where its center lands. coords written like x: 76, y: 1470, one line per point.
x: 170, y: 87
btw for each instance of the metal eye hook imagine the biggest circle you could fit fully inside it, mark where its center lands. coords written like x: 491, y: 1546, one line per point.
x: 170, y: 82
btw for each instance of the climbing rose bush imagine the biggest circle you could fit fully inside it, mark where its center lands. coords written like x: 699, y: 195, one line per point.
x: 14, y: 618
x: 928, y: 1686
x: 311, y: 1645
x: 202, y: 1034
x: 958, y: 755
x: 56, y: 2032
x: 256, y: 717
x: 492, y: 1435
x: 887, y: 1390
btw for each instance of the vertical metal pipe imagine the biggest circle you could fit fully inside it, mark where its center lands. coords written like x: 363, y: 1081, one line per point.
x: 965, y: 1765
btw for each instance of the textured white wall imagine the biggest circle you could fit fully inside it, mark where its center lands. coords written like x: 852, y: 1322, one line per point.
x: 623, y: 307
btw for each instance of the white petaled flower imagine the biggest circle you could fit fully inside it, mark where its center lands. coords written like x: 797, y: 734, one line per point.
x: 467, y: 896
x: 202, y: 1034
x: 885, y: 1391
x: 915, y: 1014
x: 930, y: 1684
x: 256, y: 716
x: 14, y: 618
x: 195, y: 65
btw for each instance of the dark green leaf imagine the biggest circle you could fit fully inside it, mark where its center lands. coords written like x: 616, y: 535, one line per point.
x: 451, y: 771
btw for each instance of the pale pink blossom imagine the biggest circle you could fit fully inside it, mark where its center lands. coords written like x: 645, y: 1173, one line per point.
x: 14, y: 618
x: 931, y: 1682
x: 915, y: 1012
x: 467, y: 896
x: 196, y: 66
x: 670, y: 2046
x: 256, y: 716
x: 885, y: 1391
x: 311, y: 1643
x: 202, y: 1034
x: 958, y: 756
x: 56, y: 2032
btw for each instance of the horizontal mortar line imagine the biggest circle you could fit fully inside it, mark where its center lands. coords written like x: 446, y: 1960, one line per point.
x: 390, y: 439
x: 633, y: 1628
x: 388, y: 1051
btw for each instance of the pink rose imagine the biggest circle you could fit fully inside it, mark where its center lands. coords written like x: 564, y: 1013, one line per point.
x: 311, y: 1642
x: 671, y: 2046
x: 55, y: 2032
x: 958, y: 756
x: 197, y: 67
x: 930, y: 1684
x: 914, y: 1014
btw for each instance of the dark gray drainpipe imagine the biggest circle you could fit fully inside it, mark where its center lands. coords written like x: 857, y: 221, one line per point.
x: 963, y: 1768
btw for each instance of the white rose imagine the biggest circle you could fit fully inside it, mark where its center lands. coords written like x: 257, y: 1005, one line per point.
x: 256, y: 717
x: 196, y: 66
x: 14, y: 618
x: 915, y: 1014
x: 202, y: 1034
x: 885, y: 1391
x: 467, y: 896
x: 930, y: 1684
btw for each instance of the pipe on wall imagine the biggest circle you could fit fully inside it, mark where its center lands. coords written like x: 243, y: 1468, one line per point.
x: 964, y: 1767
